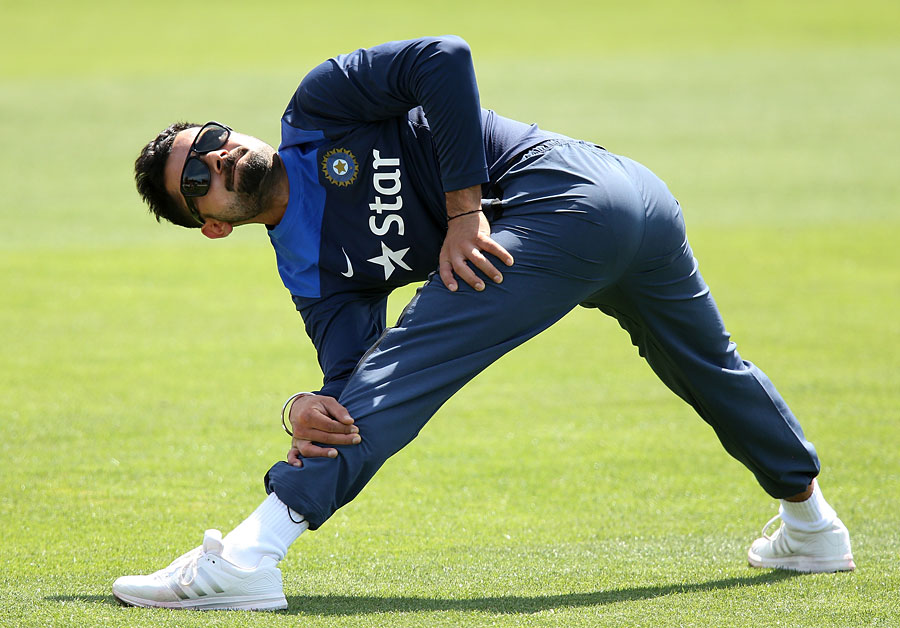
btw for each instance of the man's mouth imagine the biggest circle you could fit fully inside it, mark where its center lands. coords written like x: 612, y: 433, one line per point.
x: 231, y: 166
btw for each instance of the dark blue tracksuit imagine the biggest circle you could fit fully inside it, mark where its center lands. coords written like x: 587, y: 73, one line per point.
x: 370, y: 141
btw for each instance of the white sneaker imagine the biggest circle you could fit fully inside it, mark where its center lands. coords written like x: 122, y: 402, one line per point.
x: 811, y: 552
x: 203, y: 580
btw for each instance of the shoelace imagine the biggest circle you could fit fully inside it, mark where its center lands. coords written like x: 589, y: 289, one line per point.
x: 190, y: 568
x: 769, y: 525
x: 185, y: 567
x: 778, y: 539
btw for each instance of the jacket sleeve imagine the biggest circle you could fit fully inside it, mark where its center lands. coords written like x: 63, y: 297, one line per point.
x: 342, y: 327
x: 387, y: 81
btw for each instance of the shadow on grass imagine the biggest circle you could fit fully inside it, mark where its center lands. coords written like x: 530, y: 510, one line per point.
x: 503, y: 605
x: 92, y: 599
x: 508, y: 605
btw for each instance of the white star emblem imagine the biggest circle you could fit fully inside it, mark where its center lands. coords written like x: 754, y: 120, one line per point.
x: 388, y: 258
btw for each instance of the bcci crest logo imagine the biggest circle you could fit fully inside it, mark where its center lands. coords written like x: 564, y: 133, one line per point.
x: 339, y: 166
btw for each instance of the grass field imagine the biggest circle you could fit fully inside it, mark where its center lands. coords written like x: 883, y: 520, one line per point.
x: 143, y: 367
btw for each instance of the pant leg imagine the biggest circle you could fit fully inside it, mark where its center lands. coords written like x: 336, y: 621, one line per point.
x: 666, y: 307
x: 573, y: 223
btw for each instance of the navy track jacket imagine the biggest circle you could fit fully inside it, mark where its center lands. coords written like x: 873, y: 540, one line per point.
x: 371, y: 140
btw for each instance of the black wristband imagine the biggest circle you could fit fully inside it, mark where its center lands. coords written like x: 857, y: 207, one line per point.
x: 474, y: 211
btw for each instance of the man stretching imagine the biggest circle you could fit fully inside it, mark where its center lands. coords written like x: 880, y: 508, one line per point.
x: 389, y: 172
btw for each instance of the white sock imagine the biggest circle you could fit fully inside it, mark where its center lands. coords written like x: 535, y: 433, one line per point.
x: 268, y: 531
x: 812, y: 515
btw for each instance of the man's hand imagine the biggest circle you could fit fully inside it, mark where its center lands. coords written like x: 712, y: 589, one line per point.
x: 320, y: 419
x: 468, y: 234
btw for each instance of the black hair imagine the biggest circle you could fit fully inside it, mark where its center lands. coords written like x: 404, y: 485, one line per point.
x: 149, y: 177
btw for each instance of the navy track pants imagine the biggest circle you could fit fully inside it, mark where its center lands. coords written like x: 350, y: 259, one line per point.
x: 586, y: 227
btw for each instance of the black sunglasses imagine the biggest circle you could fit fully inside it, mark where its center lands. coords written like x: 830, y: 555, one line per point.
x: 195, y: 175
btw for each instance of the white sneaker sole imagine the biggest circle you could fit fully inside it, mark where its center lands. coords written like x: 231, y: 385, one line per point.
x: 234, y: 603
x: 803, y: 564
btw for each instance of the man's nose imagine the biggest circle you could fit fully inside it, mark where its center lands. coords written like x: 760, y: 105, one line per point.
x: 215, y: 160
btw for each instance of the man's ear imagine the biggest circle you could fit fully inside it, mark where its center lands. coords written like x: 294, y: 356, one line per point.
x: 215, y: 229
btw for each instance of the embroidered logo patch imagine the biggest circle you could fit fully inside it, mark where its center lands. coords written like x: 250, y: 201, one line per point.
x: 339, y: 166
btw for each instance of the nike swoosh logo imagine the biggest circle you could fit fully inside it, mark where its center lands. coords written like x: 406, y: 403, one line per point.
x: 349, y: 272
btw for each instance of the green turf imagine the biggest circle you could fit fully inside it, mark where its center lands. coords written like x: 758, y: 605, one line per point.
x: 143, y: 367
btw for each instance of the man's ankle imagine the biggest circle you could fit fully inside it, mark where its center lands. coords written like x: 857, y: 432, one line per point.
x: 268, y: 531
x: 812, y: 514
x: 802, y: 497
